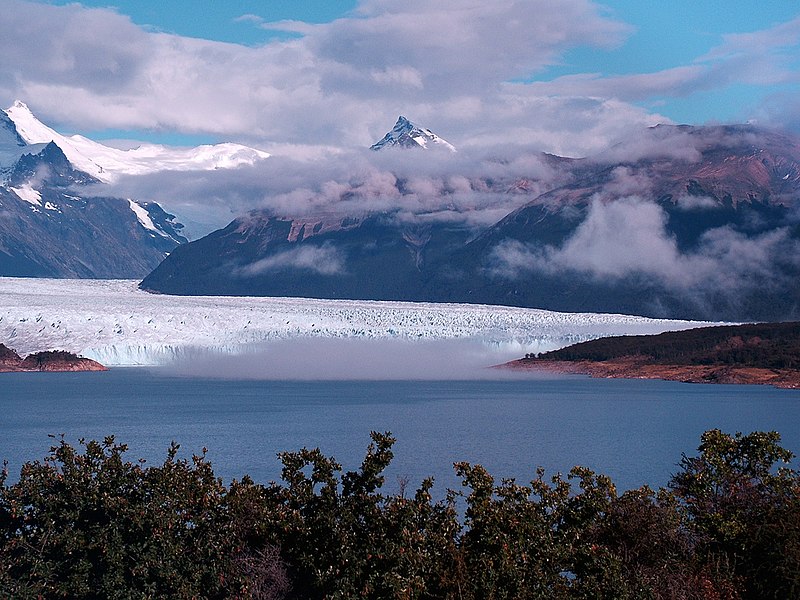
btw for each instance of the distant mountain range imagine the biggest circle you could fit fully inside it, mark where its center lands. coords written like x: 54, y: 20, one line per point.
x: 689, y: 222
x: 49, y: 227
x: 679, y: 222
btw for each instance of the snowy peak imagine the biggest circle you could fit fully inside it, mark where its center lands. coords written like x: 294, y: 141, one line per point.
x: 31, y: 129
x: 108, y: 164
x: 156, y: 221
x: 406, y: 134
x: 46, y: 166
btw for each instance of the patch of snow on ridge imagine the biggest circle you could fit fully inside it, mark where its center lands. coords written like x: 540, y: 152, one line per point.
x: 107, y: 164
x: 116, y: 323
x: 28, y: 194
x: 144, y: 218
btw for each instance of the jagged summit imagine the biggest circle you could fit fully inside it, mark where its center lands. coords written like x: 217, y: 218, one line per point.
x: 408, y: 135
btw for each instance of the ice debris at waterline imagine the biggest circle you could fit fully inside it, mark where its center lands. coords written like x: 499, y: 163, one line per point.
x: 116, y: 324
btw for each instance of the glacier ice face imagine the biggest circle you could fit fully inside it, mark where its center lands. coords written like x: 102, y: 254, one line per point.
x: 114, y: 322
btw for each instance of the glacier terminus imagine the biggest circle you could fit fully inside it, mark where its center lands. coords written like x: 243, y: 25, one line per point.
x: 115, y: 323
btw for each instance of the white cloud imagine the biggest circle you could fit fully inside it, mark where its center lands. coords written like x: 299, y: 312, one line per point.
x: 431, y: 186
x: 766, y: 57
x: 629, y: 237
x: 361, y: 359
x: 325, y: 260
x: 456, y: 66
x: 341, y: 83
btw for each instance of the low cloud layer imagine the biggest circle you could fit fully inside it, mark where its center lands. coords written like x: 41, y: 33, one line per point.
x: 352, y: 359
x: 475, y: 187
x: 472, y: 188
x: 629, y: 238
x: 325, y: 260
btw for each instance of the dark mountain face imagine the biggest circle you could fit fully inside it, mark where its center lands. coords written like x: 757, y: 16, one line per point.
x: 712, y: 237
x: 374, y: 256
x: 49, y: 227
x: 9, y: 136
x: 69, y: 236
x: 682, y: 222
x: 49, y: 166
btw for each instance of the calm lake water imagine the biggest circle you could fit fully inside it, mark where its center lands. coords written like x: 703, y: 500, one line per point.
x: 634, y: 431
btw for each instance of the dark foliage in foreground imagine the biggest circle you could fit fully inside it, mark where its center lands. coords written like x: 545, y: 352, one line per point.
x: 85, y: 523
x: 764, y: 345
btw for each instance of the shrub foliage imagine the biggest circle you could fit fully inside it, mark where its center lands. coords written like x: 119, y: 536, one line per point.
x: 87, y: 523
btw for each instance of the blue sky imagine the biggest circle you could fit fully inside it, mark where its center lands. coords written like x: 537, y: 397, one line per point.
x: 220, y: 19
x: 567, y: 75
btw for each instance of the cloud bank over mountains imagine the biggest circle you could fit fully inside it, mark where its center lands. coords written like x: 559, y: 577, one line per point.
x: 631, y: 238
x: 318, y: 93
x: 435, y: 185
x: 342, y: 83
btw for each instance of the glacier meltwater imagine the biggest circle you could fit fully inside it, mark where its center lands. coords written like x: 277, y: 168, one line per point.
x: 115, y: 323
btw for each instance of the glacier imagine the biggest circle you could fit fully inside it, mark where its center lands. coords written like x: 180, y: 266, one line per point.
x: 117, y: 324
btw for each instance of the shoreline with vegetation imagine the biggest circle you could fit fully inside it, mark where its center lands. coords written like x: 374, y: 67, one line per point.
x: 753, y: 354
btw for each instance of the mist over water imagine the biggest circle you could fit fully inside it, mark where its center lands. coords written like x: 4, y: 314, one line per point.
x: 344, y: 359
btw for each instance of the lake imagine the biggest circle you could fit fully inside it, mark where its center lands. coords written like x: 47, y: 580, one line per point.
x: 632, y: 430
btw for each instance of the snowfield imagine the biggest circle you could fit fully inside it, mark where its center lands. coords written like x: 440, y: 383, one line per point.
x: 114, y: 322
x: 107, y: 164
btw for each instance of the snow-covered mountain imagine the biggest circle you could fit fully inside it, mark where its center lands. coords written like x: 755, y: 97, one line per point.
x: 115, y: 323
x: 408, y: 135
x: 51, y: 226
x: 106, y: 163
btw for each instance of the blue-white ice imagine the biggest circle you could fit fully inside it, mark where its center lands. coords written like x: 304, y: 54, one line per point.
x: 117, y: 324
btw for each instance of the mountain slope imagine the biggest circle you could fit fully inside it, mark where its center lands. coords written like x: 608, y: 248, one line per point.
x: 372, y: 257
x: 714, y: 236
x: 688, y: 222
x: 50, y: 227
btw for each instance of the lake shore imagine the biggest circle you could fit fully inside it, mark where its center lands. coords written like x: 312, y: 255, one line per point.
x: 636, y: 368
x: 54, y: 361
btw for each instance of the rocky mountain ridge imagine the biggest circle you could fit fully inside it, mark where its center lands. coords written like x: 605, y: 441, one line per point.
x: 51, y: 224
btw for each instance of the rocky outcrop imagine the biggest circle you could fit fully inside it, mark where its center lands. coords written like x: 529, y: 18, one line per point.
x: 51, y: 360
